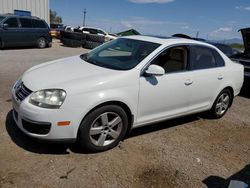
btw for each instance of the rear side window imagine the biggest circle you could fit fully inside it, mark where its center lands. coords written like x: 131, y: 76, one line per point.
x: 26, y: 23
x: 202, y: 58
x: 12, y: 22
x: 39, y: 24
x: 219, y: 60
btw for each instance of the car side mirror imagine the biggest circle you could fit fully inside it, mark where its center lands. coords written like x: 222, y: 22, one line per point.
x: 4, y: 26
x: 155, y: 70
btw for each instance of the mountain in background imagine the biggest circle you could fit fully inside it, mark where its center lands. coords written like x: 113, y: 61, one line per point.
x: 230, y: 41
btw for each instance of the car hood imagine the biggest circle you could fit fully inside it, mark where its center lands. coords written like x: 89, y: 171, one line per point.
x: 246, y: 38
x: 66, y: 73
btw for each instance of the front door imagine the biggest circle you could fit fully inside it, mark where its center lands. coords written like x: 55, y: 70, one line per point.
x: 11, y: 35
x: 166, y: 96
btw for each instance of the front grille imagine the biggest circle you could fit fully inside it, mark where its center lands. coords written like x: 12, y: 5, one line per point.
x: 36, y: 127
x: 22, y: 92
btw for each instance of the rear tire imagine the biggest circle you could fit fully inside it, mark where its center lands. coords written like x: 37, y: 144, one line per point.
x: 103, y: 128
x: 41, y: 42
x: 221, y: 104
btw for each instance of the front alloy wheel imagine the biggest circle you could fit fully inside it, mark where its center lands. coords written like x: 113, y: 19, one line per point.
x: 103, y: 128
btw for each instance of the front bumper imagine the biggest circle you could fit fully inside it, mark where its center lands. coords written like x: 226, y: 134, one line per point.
x: 41, y: 123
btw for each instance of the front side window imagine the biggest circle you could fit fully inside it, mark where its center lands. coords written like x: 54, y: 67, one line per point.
x: 202, y: 58
x: 173, y: 60
x: 26, y: 23
x: 120, y: 54
x: 1, y: 18
x: 12, y: 22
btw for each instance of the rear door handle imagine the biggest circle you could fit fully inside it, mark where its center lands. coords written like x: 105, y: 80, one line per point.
x: 220, y: 77
x: 188, y: 82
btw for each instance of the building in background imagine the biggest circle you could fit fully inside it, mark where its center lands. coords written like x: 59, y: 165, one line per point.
x: 39, y: 8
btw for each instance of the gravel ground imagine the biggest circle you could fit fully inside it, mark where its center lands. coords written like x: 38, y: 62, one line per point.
x: 187, y: 152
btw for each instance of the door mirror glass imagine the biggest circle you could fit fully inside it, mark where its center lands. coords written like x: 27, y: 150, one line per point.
x: 4, y: 26
x: 155, y: 70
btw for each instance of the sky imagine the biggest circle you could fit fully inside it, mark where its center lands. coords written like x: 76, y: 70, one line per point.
x: 211, y: 19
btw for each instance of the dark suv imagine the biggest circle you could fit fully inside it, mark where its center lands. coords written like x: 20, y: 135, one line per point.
x: 17, y: 31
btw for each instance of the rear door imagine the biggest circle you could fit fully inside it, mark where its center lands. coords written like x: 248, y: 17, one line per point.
x: 12, y: 35
x: 207, y: 69
x: 41, y: 29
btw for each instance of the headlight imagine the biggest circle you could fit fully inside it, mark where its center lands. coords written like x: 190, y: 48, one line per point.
x: 48, y: 98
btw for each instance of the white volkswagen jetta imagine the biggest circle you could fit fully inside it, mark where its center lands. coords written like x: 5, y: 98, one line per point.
x: 129, y: 82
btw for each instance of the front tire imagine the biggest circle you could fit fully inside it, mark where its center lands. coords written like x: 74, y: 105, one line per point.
x: 103, y: 128
x: 41, y: 42
x: 221, y: 104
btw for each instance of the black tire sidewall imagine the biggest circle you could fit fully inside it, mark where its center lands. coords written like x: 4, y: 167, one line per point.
x: 73, y: 35
x: 95, y: 38
x: 91, y: 45
x: 71, y: 42
x: 213, y: 109
x: 83, y: 134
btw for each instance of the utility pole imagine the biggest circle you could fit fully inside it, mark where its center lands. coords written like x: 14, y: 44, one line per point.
x: 84, y: 16
x: 197, y: 34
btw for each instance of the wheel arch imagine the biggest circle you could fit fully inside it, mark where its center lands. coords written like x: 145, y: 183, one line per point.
x: 232, y: 93
x: 45, y: 37
x: 124, y: 106
x: 230, y: 88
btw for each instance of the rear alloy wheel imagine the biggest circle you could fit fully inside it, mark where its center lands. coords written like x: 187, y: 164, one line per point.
x: 221, y: 104
x: 41, y: 42
x: 103, y: 128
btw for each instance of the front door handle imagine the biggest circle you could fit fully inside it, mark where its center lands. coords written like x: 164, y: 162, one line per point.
x: 188, y: 82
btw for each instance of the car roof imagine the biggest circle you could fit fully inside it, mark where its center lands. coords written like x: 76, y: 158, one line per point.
x: 15, y: 16
x: 168, y: 41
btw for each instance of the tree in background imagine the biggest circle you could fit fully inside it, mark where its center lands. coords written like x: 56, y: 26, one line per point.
x: 54, y: 18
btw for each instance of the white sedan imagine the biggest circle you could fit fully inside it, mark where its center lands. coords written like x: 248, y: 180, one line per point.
x: 129, y: 82
x: 100, y: 32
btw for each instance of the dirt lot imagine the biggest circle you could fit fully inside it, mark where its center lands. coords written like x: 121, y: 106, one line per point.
x: 186, y: 152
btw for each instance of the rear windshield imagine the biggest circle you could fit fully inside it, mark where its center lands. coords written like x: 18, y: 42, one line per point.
x: 1, y: 18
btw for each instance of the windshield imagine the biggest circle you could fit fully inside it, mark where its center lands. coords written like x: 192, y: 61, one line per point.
x: 1, y: 18
x: 120, y: 54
